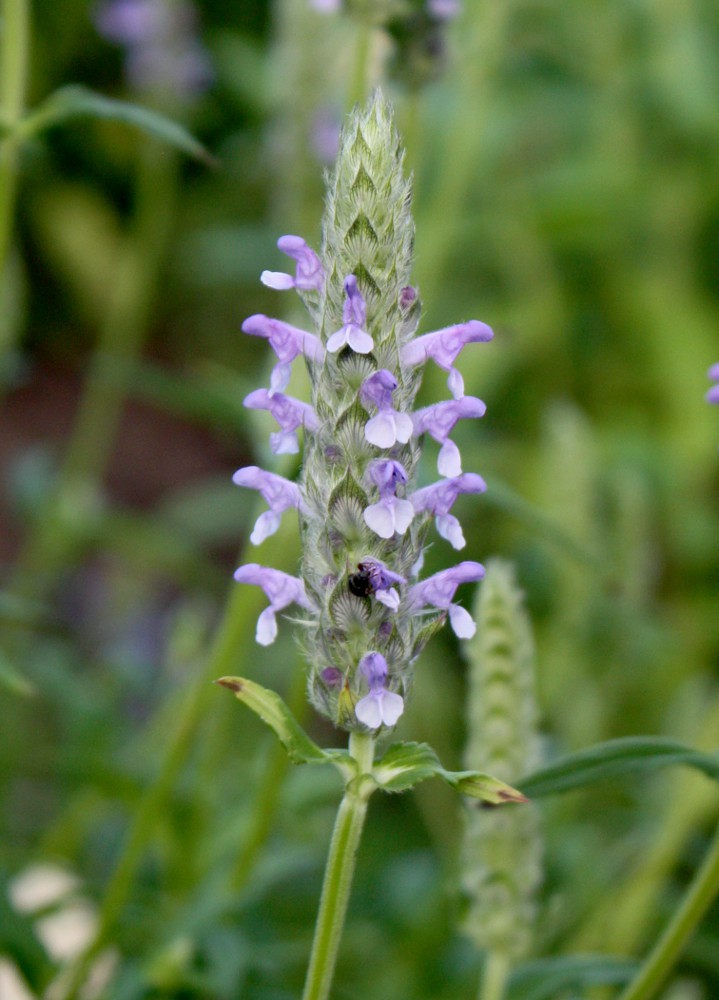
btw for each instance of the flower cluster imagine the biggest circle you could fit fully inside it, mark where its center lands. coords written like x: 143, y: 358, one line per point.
x: 363, y: 520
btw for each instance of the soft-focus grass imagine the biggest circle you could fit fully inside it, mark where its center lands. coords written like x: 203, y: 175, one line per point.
x: 566, y: 193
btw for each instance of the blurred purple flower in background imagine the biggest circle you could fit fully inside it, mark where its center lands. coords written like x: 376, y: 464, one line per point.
x: 713, y: 393
x: 162, y: 49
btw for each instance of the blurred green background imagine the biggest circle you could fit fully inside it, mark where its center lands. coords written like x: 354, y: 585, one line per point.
x: 566, y: 191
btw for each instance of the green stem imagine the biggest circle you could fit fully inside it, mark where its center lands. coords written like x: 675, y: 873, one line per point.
x: 14, y: 48
x: 338, y: 875
x: 495, y: 976
x: 698, y: 899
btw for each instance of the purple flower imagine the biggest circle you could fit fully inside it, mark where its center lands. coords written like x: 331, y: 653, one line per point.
x: 281, y: 589
x: 407, y: 297
x: 443, y: 347
x: 713, y: 393
x: 352, y: 333
x: 280, y: 494
x: 438, y: 421
x: 162, y: 49
x: 438, y: 499
x: 380, y: 707
x: 287, y: 342
x: 389, y: 426
x: 289, y: 413
x: 443, y: 10
x: 390, y: 515
x: 373, y: 577
x: 326, y: 6
x: 309, y: 273
x: 438, y: 591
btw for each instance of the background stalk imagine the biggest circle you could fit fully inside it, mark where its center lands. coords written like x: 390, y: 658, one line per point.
x: 698, y: 899
x: 14, y: 49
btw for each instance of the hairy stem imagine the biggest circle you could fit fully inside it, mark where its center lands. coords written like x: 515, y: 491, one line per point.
x: 338, y: 876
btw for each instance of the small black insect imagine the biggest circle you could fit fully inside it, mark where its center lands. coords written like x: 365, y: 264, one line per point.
x: 361, y: 583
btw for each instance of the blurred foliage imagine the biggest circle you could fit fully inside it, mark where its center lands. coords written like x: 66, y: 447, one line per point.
x: 566, y: 192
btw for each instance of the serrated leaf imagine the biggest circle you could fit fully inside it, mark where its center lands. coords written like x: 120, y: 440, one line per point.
x: 615, y: 758
x: 274, y: 712
x: 406, y: 764
x: 73, y: 101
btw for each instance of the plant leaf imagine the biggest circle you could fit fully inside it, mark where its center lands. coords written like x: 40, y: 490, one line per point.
x: 73, y: 101
x: 275, y: 713
x: 406, y: 764
x: 546, y: 978
x: 613, y: 758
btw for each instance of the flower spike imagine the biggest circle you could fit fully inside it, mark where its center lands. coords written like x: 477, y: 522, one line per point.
x: 309, y: 273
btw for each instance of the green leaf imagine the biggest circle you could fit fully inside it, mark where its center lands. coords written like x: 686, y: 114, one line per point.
x: 546, y: 978
x: 275, y: 713
x: 406, y: 764
x: 79, y: 102
x: 614, y: 758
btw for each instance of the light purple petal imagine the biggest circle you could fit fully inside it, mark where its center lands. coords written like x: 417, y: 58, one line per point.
x: 280, y: 378
x: 449, y: 527
x: 392, y: 706
x: 390, y: 598
x: 463, y: 625
x: 337, y: 341
x: 403, y: 424
x: 403, y: 514
x: 277, y: 280
x: 713, y: 372
x: 380, y: 518
x: 265, y: 525
x: 369, y: 711
x: 449, y: 460
x: 359, y: 340
x: 713, y: 394
x: 381, y: 430
x: 455, y: 383
x: 266, y: 628
x: 284, y: 443
x: 438, y: 590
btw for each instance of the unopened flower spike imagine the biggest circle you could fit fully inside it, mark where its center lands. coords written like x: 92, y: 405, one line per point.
x: 279, y: 493
x: 309, y: 273
x: 438, y: 421
x: 281, y: 590
x: 288, y: 342
x: 444, y: 346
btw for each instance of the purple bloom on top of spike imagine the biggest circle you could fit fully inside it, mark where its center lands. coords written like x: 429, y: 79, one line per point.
x: 390, y: 515
x: 287, y: 342
x: 380, y: 707
x: 289, y: 413
x: 713, y: 393
x: 389, y: 426
x: 439, y: 498
x: 438, y: 420
x: 438, y: 591
x: 354, y: 314
x: 281, y: 590
x: 309, y: 273
x: 444, y: 346
x: 279, y: 493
